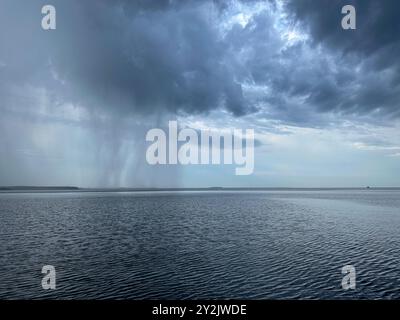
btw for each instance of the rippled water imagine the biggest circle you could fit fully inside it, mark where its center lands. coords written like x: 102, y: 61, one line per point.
x: 188, y: 245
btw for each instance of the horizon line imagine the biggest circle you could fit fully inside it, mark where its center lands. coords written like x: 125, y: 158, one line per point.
x: 22, y: 188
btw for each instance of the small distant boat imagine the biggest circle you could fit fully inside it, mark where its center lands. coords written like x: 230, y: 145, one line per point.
x: 368, y: 187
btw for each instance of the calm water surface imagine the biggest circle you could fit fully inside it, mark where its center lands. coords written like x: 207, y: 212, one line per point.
x: 201, y: 245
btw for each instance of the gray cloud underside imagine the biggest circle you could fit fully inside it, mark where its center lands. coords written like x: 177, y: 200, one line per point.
x: 147, y: 57
x: 370, y: 79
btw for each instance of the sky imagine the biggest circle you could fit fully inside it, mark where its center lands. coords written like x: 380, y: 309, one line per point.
x: 76, y: 102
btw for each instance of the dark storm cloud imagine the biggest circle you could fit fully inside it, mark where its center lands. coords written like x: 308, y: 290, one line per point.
x: 368, y: 79
x: 124, y: 56
x: 378, y: 23
x: 149, y: 57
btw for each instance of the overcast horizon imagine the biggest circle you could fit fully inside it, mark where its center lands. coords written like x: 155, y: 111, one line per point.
x: 76, y: 102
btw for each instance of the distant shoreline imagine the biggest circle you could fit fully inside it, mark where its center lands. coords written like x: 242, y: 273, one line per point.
x: 71, y: 189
